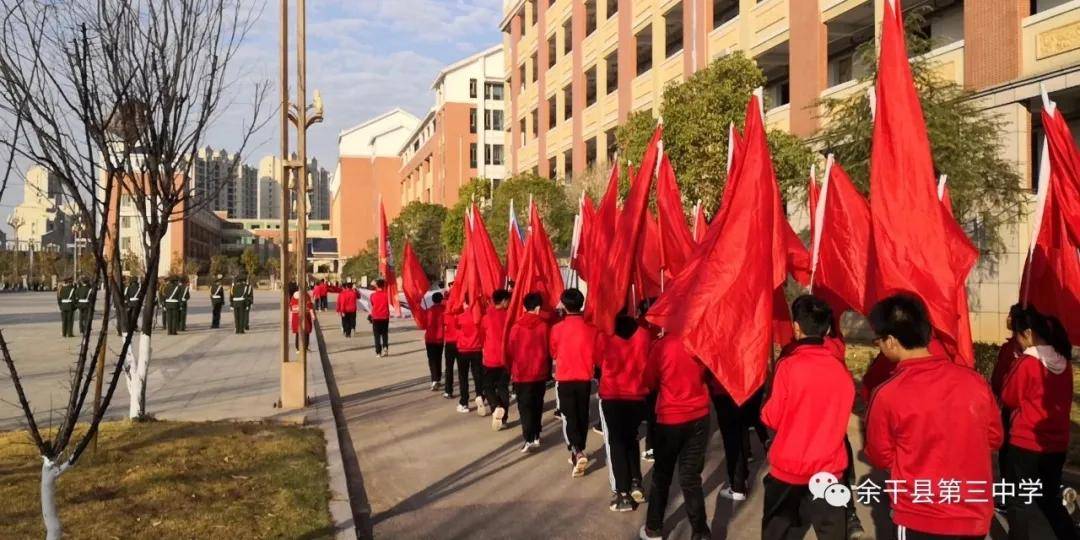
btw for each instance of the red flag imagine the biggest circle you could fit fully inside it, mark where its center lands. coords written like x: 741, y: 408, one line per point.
x: 514, y: 244
x: 841, y: 242
x: 676, y: 240
x: 466, y: 280
x: 386, y: 260
x: 1051, y: 281
x: 647, y: 279
x: 722, y: 303
x: 602, y: 229
x: 700, y: 225
x: 609, y: 295
x: 582, y: 250
x: 416, y: 284
x: 539, y: 271
x: 1065, y: 164
x: 928, y: 256
x: 485, y: 258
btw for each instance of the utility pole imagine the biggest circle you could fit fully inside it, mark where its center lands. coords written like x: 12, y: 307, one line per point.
x: 16, y: 223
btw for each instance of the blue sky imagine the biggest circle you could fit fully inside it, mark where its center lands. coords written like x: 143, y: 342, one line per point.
x: 365, y: 56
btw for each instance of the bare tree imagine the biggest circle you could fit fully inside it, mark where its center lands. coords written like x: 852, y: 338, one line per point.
x: 115, y: 97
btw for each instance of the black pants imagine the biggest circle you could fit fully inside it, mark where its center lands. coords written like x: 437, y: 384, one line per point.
x: 530, y: 402
x: 1027, y: 465
x: 683, y: 444
x: 133, y: 319
x: 497, y: 388
x: 650, y: 421
x: 572, y: 398
x: 791, y: 509
x: 621, y: 419
x: 67, y: 323
x: 1003, y: 460
x: 381, y: 329
x: 296, y: 341
x: 752, y: 417
x: 84, y: 319
x: 467, y: 362
x: 733, y: 421
x: 909, y: 534
x: 215, y: 320
x: 348, y: 323
x: 450, y: 352
x: 434, y: 360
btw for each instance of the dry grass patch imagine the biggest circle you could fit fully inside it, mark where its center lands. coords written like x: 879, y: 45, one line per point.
x: 177, y: 480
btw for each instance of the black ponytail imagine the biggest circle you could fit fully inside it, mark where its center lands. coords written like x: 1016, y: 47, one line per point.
x: 1048, y: 328
x: 1059, y: 338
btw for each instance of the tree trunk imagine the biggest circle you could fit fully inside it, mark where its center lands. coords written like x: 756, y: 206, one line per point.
x: 50, y: 471
x: 139, y: 364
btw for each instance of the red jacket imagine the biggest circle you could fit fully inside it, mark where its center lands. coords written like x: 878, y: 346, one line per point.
x: 682, y: 395
x: 380, y: 306
x: 809, y: 407
x: 573, y: 346
x: 470, y: 337
x: 1006, y: 357
x: 527, y: 350
x: 494, y: 323
x: 433, y: 331
x: 450, y: 329
x: 346, y: 301
x: 622, y: 366
x: 1039, y: 401
x: 879, y: 371
x: 319, y: 290
x: 935, y: 421
x: 294, y: 314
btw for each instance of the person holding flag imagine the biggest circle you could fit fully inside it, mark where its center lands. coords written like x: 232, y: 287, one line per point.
x: 527, y: 361
x: 574, y: 349
x: 379, y: 316
x: 496, y: 379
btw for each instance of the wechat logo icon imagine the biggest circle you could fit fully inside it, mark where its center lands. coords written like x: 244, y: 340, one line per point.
x: 824, y: 485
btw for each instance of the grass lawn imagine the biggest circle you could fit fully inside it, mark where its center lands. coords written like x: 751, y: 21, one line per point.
x: 176, y: 480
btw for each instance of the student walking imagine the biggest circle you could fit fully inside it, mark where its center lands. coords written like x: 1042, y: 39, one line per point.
x: 573, y: 346
x: 622, y: 359
x: 433, y: 339
x: 470, y: 358
x: 808, y: 407
x: 496, y: 377
x: 527, y: 360
x: 450, y: 336
x: 380, y: 318
x: 1038, y: 393
x: 295, y: 319
x: 682, y: 434
x: 734, y: 434
x: 346, y: 308
x: 932, y: 421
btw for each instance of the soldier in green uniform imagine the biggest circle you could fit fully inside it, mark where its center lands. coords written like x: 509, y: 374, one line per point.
x: 82, y: 296
x: 65, y: 299
x: 131, y: 298
x: 173, y: 292
x: 185, y: 296
x: 217, y: 301
x: 240, y: 304
x: 249, y: 294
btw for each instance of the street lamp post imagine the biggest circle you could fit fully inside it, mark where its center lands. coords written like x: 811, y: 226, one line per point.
x: 16, y: 223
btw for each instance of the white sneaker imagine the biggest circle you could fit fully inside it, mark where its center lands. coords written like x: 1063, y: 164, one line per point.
x: 535, y: 444
x: 579, y: 466
x: 646, y: 534
x: 648, y: 456
x: 481, y: 407
x: 526, y: 448
x: 434, y: 386
x: 497, y: 419
x: 727, y: 493
x: 463, y: 409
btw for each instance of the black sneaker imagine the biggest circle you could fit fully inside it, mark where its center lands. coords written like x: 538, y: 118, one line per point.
x: 854, y: 526
x: 621, y: 503
x: 645, y: 533
x: 701, y: 535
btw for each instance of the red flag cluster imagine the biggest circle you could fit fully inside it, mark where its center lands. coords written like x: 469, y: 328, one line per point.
x: 386, y: 260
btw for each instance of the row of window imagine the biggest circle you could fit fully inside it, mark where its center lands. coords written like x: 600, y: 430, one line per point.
x: 492, y: 91
x: 493, y: 154
x: 493, y: 120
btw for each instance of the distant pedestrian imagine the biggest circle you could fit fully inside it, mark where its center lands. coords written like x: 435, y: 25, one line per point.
x: 131, y: 302
x: 297, y: 323
x: 241, y: 304
x: 86, y: 307
x: 185, y: 297
x: 346, y: 308
x: 433, y: 339
x: 217, y: 301
x: 573, y: 346
x: 470, y: 358
x: 68, y: 303
x: 380, y: 318
x: 496, y: 387
x: 450, y: 352
x: 527, y: 360
x: 173, y: 293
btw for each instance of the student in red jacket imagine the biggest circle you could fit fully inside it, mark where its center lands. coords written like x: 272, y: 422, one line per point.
x: 1038, y: 392
x: 346, y: 307
x: 433, y: 339
x: 682, y: 434
x: 450, y: 333
x: 808, y: 407
x: 496, y: 377
x: 932, y: 425
x: 294, y: 317
x: 573, y: 346
x: 1007, y: 355
x: 529, y: 365
x: 470, y: 358
x: 622, y: 408
x: 380, y: 318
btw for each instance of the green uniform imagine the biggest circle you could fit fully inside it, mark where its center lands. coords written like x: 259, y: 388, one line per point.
x: 172, y: 293
x: 82, y: 296
x: 217, y: 301
x: 185, y: 295
x: 131, y: 298
x: 241, y: 300
x: 66, y: 300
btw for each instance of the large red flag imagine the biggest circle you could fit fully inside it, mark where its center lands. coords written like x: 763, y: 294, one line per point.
x: 676, y: 240
x: 386, y: 260
x: 415, y: 283
x: 485, y: 258
x: 466, y: 280
x: 514, y: 244
x: 539, y: 271
x: 700, y: 225
x: 841, y: 241
x: 648, y: 281
x: 1065, y: 164
x: 1051, y: 281
x: 609, y: 295
x: 602, y: 229
x: 928, y: 256
x: 722, y: 303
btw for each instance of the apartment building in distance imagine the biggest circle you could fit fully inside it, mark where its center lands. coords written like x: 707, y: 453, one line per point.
x: 268, y: 198
x: 45, y: 220
x: 232, y: 184
x: 577, y: 68
x: 462, y: 137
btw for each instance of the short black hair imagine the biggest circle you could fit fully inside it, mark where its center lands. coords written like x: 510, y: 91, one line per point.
x: 500, y: 296
x: 380, y: 283
x: 572, y: 300
x: 437, y: 298
x: 904, y: 317
x: 625, y: 326
x: 813, y: 315
x: 532, y: 301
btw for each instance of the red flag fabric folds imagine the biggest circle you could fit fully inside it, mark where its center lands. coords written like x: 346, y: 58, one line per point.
x: 927, y: 256
x: 676, y: 240
x: 539, y: 271
x: 415, y: 283
x: 386, y: 260
x: 485, y: 258
x: 700, y: 225
x: 514, y: 244
x: 841, y: 240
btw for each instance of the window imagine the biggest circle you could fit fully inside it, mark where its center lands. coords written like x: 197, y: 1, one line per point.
x: 532, y: 12
x: 472, y: 120
x: 673, y: 30
x: 612, y: 68
x: 493, y: 91
x: 777, y: 93
x: 568, y: 163
x: 493, y: 120
x: 522, y: 132
x: 125, y: 222
x: 612, y: 144
x: 553, y: 165
x: 496, y: 153
x: 472, y: 155
x: 521, y: 76
x: 1038, y: 6
x: 644, y: 49
x: 568, y: 37
x: 568, y: 102
x: 125, y: 244
x: 724, y: 11
x: 552, y: 51
x: 944, y: 24
x: 472, y: 88
x: 590, y: 86
x: 535, y: 121
x: 535, y: 66
x: 553, y: 116
x: 612, y: 8
x: 590, y: 152
x: 590, y: 17
x: 841, y: 68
